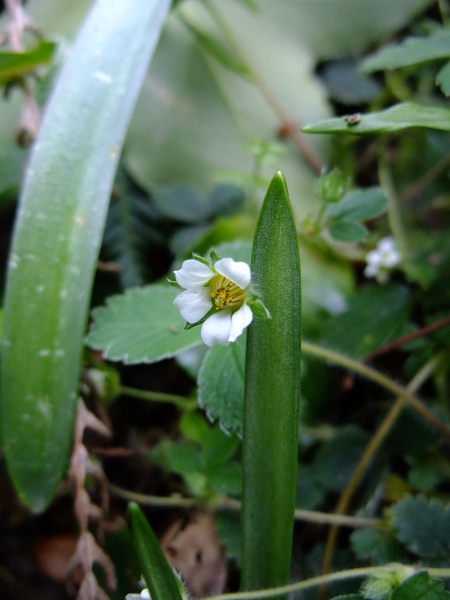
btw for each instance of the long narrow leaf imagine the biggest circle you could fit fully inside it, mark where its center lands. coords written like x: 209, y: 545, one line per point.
x: 271, y: 406
x: 158, y: 575
x: 57, y: 236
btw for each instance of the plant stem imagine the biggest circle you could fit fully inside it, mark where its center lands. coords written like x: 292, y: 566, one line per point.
x: 369, y: 452
x: 325, y: 579
x: 393, y: 208
x: 224, y: 503
x: 408, y: 338
x: 382, y: 380
x: 427, y: 179
x: 286, y: 121
x: 180, y: 401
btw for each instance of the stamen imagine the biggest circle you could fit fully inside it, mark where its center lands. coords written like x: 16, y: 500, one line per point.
x: 226, y: 293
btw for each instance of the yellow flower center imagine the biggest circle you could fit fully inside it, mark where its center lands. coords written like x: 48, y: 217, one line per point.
x: 226, y: 294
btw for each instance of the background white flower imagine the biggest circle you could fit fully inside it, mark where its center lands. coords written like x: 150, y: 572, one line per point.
x: 385, y: 256
x: 220, y: 289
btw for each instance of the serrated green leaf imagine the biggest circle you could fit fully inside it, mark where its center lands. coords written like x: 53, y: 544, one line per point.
x: 221, y: 384
x: 374, y: 316
x: 57, y: 237
x: 380, y: 546
x: 346, y: 231
x: 398, y: 117
x: 18, y: 64
x: 424, y: 526
x: 359, y: 205
x: 142, y: 325
x: 310, y: 494
x: 420, y: 587
x: 157, y: 573
x: 411, y: 51
x: 443, y: 79
x: 336, y: 458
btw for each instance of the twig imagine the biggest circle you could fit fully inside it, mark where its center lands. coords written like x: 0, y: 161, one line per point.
x: 380, y: 379
x: 407, y: 338
x: 330, y: 578
x: 231, y: 504
x: 369, y: 452
x: 286, y: 122
x: 421, y: 184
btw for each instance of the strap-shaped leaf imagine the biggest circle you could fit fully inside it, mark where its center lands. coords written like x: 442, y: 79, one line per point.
x: 158, y: 575
x: 271, y: 405
x: 58, y: 232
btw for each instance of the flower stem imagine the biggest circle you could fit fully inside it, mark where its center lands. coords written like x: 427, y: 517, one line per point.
x: 326, y: 579
x: 382, y: 380
x: 225, y: 503
x: 272, y: 100
x: 180, y: 401
x: 393, y: 207
x: 370, y: 450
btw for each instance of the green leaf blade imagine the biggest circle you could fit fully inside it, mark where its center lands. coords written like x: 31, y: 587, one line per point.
x: 57, y: 238
x: 157, y: 573
x: 413, y: 50
x: 271, y: 406
x: 398, y: 117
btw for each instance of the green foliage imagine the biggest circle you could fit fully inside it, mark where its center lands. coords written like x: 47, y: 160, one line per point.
x: 204, y: 459
x: 52, y: 260
x: 162, y: 583
x: 374, y: 316
x: 398, y: 117
x: 14, y: 65
x: 381, y: 547
x: 336, y: 459
x: 272, y: 395
x: 411, y: 51
x: 142, y: 325
x: 424, y: 526
x: 420, y: 586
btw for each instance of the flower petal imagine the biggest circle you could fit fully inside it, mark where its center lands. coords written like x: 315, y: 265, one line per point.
x: 387, y: 244
x: 374, y: 258
x: 239, y: 321
x: 193, y: 274
x: 371, y: 271
x: 194, y: 304
x: 216, y: 329
x: 237, y: 272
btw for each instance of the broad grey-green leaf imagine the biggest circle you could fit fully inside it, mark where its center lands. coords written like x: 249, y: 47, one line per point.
x: 61, y: 217
x: 424, y: 526
x: 398, y: 117
x: 411, y: 51
x: 221, y: 384
x: 141, y: 325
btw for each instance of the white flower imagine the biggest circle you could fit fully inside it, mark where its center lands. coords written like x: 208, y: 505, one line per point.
x: 385, y: 256
x: 218, y: 289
